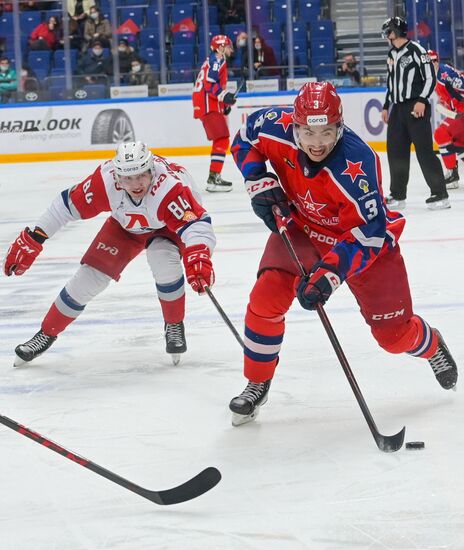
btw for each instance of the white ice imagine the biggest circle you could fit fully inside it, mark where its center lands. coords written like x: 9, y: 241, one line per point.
x: 306, y: 475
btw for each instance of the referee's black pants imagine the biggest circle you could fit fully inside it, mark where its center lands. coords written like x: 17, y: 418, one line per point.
x: 402, y: 130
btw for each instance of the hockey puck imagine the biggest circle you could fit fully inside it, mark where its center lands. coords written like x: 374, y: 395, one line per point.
x: 415, y: 445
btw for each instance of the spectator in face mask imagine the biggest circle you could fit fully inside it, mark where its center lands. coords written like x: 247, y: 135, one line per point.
x: 241, y: 52
x: 46, y: 36
x: 264, y: 56
x: 97, y: 27
x: 7, y: 80
x: 95, y: 63
x: 141, y: 73
x: 125, y: 55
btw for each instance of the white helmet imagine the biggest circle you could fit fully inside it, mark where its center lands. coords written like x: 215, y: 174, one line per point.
x: 132, y: 158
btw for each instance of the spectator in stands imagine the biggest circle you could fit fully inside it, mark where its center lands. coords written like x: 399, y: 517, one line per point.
x: 126, y: 55
x: 7, y: 80
x: 94, y: 64
x: 141, y: 73
x: 46, y: 36
x: 349, y: 69
x: 33, y: 5
x: 97, y: 27
x: 264, y: 57
x: 5, y: 6
x: 230, y: 11
x: 241, y: 52
x: 78, y: 11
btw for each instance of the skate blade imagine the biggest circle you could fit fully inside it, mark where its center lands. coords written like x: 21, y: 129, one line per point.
x: 453, y: 185
x: 218, y: 189
x: 439, y: 205
x: 175, y: 357
x: 239, y: 419
x: 18, y: 361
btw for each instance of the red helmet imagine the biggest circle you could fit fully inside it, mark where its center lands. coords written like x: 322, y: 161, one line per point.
x: 317, y: 104
x: 433, y: 55
x: 220, y: 40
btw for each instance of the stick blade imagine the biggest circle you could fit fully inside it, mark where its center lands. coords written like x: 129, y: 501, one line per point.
x: 390, y: 443
x: 193, y: 488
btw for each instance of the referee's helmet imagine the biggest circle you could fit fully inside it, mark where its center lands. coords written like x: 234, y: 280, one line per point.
x: 397, y: 25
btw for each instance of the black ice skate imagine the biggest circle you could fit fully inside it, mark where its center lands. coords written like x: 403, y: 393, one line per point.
x: 34, y: 347
x: 246, y: 405
x: 438, y: 202
x: 443, y: 365
x: 395, y: 204
x: 216, y: 184
x: 175, y: 340
x: 452, y: 179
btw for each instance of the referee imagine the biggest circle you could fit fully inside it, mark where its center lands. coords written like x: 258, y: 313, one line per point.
x: 410, y: 82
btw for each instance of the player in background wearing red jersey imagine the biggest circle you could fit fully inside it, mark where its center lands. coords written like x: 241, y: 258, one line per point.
x: 328, y: 181
x: 212, y: 104
x: 154, y: 206
x: 449, y: 135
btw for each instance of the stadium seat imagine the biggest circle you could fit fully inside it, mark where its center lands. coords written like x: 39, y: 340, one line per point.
x: 270, y: 31
x: 181, y: 11
x: 182, y: 54
x: 137, y: 14
x: 181, y: 72
x: 183, y: 38
x: 321, y: 30
x: 39, y: 61
x: 279, y: 12
x: 260, y: 12
x: 152, y: 57
x: 59, y: 59
x: 212, y: 15
x: 149, y: 38
x: 309, y: 10
x: 233, y: 29
x: 445, y: 45
x: 29, y: 20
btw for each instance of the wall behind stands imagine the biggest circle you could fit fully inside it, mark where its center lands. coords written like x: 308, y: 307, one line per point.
x: 65, y: 131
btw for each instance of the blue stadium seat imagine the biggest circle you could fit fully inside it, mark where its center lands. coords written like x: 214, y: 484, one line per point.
x: 153, y: 17
x: 310, y: 10
x: 300, y: 32
x: 149, y: 38
x: 422, y: 9
x: 6, y: 24
x: 276, y: 47
x: 181, y: 72
x: 233, y: 29
x: 183, y: 38
x: 144, y: 3
x: 28, y: 21
x: 59, y: 59
x: 322, y: 30
x: 260, y: 12
x: 270, y: 31
x: 182, y: 54
x: 445, y: 45
x: 323, y: 49
x: 181, y: 11
x: 39, y: 61
x: 300, y: 57
x: 150, y: 56
x: 212, y: 16
x: 279, y: 13
x: 137, y: 14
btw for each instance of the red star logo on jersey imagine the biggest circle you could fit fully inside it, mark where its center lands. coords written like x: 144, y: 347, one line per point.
x: 310, y: 205
x: 285, y: 119
x: 353, y: 169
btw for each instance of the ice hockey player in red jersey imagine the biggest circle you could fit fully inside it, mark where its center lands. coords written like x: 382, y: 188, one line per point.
x: 327, y: 180
x: 449, y: 135
x: 154, y: 206
x: 211, y: 104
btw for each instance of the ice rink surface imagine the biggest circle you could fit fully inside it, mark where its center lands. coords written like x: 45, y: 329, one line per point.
x: 306, y: 475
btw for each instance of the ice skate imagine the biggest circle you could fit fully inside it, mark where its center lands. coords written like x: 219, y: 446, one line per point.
x: 216, y: 184
x: 175, y: 340
x: 246, y: 405
x: 452, y: 179
x: 34, y: 347
x: 438, y: 202
x: 395, y: 204
x: 443, y: 365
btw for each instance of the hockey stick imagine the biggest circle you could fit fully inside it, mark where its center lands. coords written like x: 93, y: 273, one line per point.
x: 201, y: 483
x: 386, y: 443
x: 222, y: 313
x: 239, y: 87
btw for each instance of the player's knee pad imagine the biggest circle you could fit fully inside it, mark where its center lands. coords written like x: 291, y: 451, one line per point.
x: 164, y: 259
x: 220, y: 145
x: 442, y: 136
x: 272, y: 294
x: 86, y: 283
x: 396, y: 338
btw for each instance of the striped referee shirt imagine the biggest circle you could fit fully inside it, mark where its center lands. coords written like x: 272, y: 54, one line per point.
x: 410, y: 74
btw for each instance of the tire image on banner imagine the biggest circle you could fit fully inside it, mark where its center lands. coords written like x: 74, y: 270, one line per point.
x: 112, y: 126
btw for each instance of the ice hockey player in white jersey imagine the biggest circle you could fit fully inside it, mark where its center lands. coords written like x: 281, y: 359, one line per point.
x: 155, y: 206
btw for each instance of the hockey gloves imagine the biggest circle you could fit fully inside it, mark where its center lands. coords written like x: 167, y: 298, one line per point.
x: 317, y: 287
x: 265, y: 192
x: 22, y: 253
x: 227, y: 109
x: 198, y: 267
x: 227, y: 98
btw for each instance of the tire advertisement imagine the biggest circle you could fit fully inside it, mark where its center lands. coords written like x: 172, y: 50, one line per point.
x: 162, y: 123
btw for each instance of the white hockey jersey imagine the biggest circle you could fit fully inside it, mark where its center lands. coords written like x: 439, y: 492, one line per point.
x: 171, y: 201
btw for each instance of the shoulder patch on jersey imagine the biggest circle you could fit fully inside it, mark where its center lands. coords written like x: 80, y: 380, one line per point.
x: 353, y: 169
x: 271, y: 115
x: 364, y: 185
x: 189, y: 216
x: 285, y: 119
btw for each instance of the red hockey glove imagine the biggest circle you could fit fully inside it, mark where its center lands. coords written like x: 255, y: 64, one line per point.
x: 198, y: 267
x: 318, y: 286
x: 265, y: 192
x: 21, y: 254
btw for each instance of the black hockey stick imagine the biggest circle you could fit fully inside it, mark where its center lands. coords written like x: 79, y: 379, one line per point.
x: 192, y: 488
x: 222, y: 313
x: 239, y: 87
x: 386, y: 443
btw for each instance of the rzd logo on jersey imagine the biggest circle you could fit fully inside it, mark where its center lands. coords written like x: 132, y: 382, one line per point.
x: 111, y: 249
